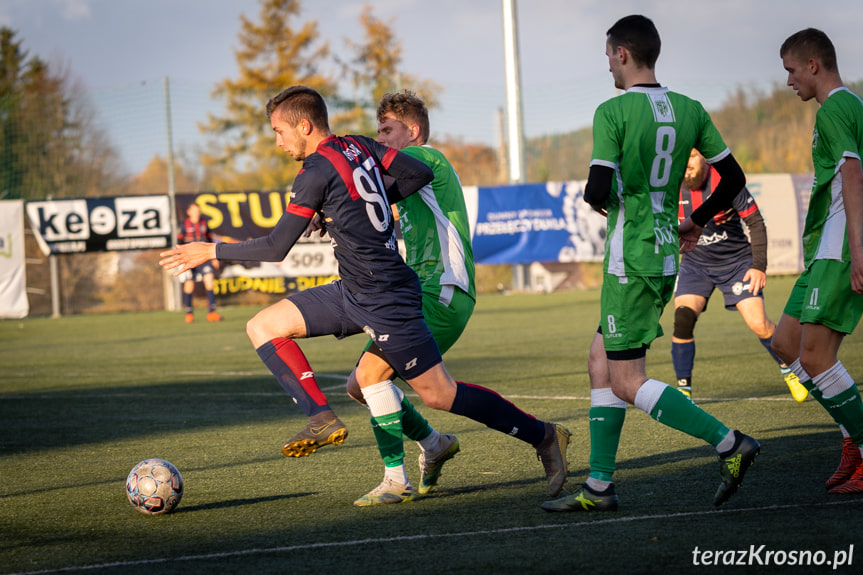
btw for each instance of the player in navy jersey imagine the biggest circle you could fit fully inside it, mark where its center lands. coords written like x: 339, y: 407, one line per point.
x: 195, y: 229
x: 723, y: 259
x: 342, y: 181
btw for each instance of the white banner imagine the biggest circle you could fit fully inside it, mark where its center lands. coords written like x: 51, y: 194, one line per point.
x: 13, y: 288
x: 780, y: 204
x: 101, y: 224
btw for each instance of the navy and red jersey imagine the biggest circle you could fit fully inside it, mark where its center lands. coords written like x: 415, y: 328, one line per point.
x: 343, y: 181
x: 723, y: 240
x: 194, y: 232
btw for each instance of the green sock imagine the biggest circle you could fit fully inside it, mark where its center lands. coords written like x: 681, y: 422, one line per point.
x: 388, y: 435
x: 816, y: 393
x: 605, y: 426
x: 846, y: 408
x: 676, y: 410
x: 414, y: 425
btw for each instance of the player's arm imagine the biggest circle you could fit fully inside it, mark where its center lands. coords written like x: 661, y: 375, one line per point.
x: 270, y: 248
x: 410, y: 174
x: 852, y: 197
x: 274, y: 246
x: 758, y: 238
x: 598, y: 187
x: 756, y: 276
x: 732, y: 181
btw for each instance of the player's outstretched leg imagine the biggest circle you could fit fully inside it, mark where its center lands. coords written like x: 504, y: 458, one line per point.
x: 549, y: 439
x: 431, y: 462
x: 384, y: 402
x: 288, y: 364
x: 324, y: 428
x: 435, y: 448
x: 606, y: 416
x: 552, y: 453
x: 733, y: 465
x: 736, y: 451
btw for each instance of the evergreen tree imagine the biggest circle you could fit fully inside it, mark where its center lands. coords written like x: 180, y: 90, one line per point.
x: 274, y: 54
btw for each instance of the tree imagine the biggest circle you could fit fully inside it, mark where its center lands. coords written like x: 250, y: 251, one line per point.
x: 48, y: 143
x: 154, y: 179
x: 273, y: 55
x: 768, y: 132
x: 374, y: 70
x: 476, y: 164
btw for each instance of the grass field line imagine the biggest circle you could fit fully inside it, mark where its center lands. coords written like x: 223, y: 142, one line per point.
x: 428, y: 536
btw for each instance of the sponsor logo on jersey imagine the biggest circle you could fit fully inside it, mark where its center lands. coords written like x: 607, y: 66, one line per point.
x: 706, y: 240
x: 352, y: 153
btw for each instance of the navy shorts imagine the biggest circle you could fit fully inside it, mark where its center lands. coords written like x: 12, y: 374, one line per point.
x: 393, y: 320
x: 696, y: 279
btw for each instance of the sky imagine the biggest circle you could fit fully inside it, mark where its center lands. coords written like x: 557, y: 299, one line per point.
x: 122, y: 52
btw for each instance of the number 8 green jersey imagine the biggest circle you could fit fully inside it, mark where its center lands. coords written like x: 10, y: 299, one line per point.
x: 646, y: 135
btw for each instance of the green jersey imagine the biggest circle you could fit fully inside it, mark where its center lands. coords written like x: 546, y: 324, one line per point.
x: 436, y: 229
x: 646, y: 135
x: 838, y: 135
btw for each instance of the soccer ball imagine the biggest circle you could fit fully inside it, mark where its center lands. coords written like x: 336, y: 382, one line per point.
x: 154, y: 487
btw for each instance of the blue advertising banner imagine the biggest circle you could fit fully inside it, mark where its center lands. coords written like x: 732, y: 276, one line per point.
x: 525, y: 223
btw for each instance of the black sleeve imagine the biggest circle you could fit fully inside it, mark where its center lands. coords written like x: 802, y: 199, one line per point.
x: 758, y: 238
x: 731, y: 182
x: 270, y: 248
x: 410, y: 176
x: 598, y: 186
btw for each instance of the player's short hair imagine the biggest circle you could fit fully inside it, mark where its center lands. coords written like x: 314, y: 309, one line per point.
x: 299, y: 103
x: 810, y: 43
x: 639, y: 36
x: 408, y: 108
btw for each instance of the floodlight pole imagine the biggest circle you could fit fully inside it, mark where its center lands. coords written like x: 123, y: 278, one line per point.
x: 171, y: 288
x: 515, y: 127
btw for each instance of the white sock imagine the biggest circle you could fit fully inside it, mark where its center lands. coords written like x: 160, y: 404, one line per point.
x: 799, y: 371
x: 604, y: 397
x: 833, y: 381
x: 383, y: 398
x: 430, y: 443
x: 597, y: 485
x: 648, y: 395
x: 397, y: 474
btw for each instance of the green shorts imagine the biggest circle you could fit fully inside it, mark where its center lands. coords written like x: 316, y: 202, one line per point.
x: 631, y: 310
x: 823, y: 295
x: 446, y: 322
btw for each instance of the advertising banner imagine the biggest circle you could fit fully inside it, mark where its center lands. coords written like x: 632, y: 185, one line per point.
x: 525, y: 223
x: 13, y: 288
x: 780, y: 198
x: 101, y: 224
x: 239, y: 216
x: 551, y: 222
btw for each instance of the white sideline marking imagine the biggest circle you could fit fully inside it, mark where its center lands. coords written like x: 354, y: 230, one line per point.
x: 355, y: 542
